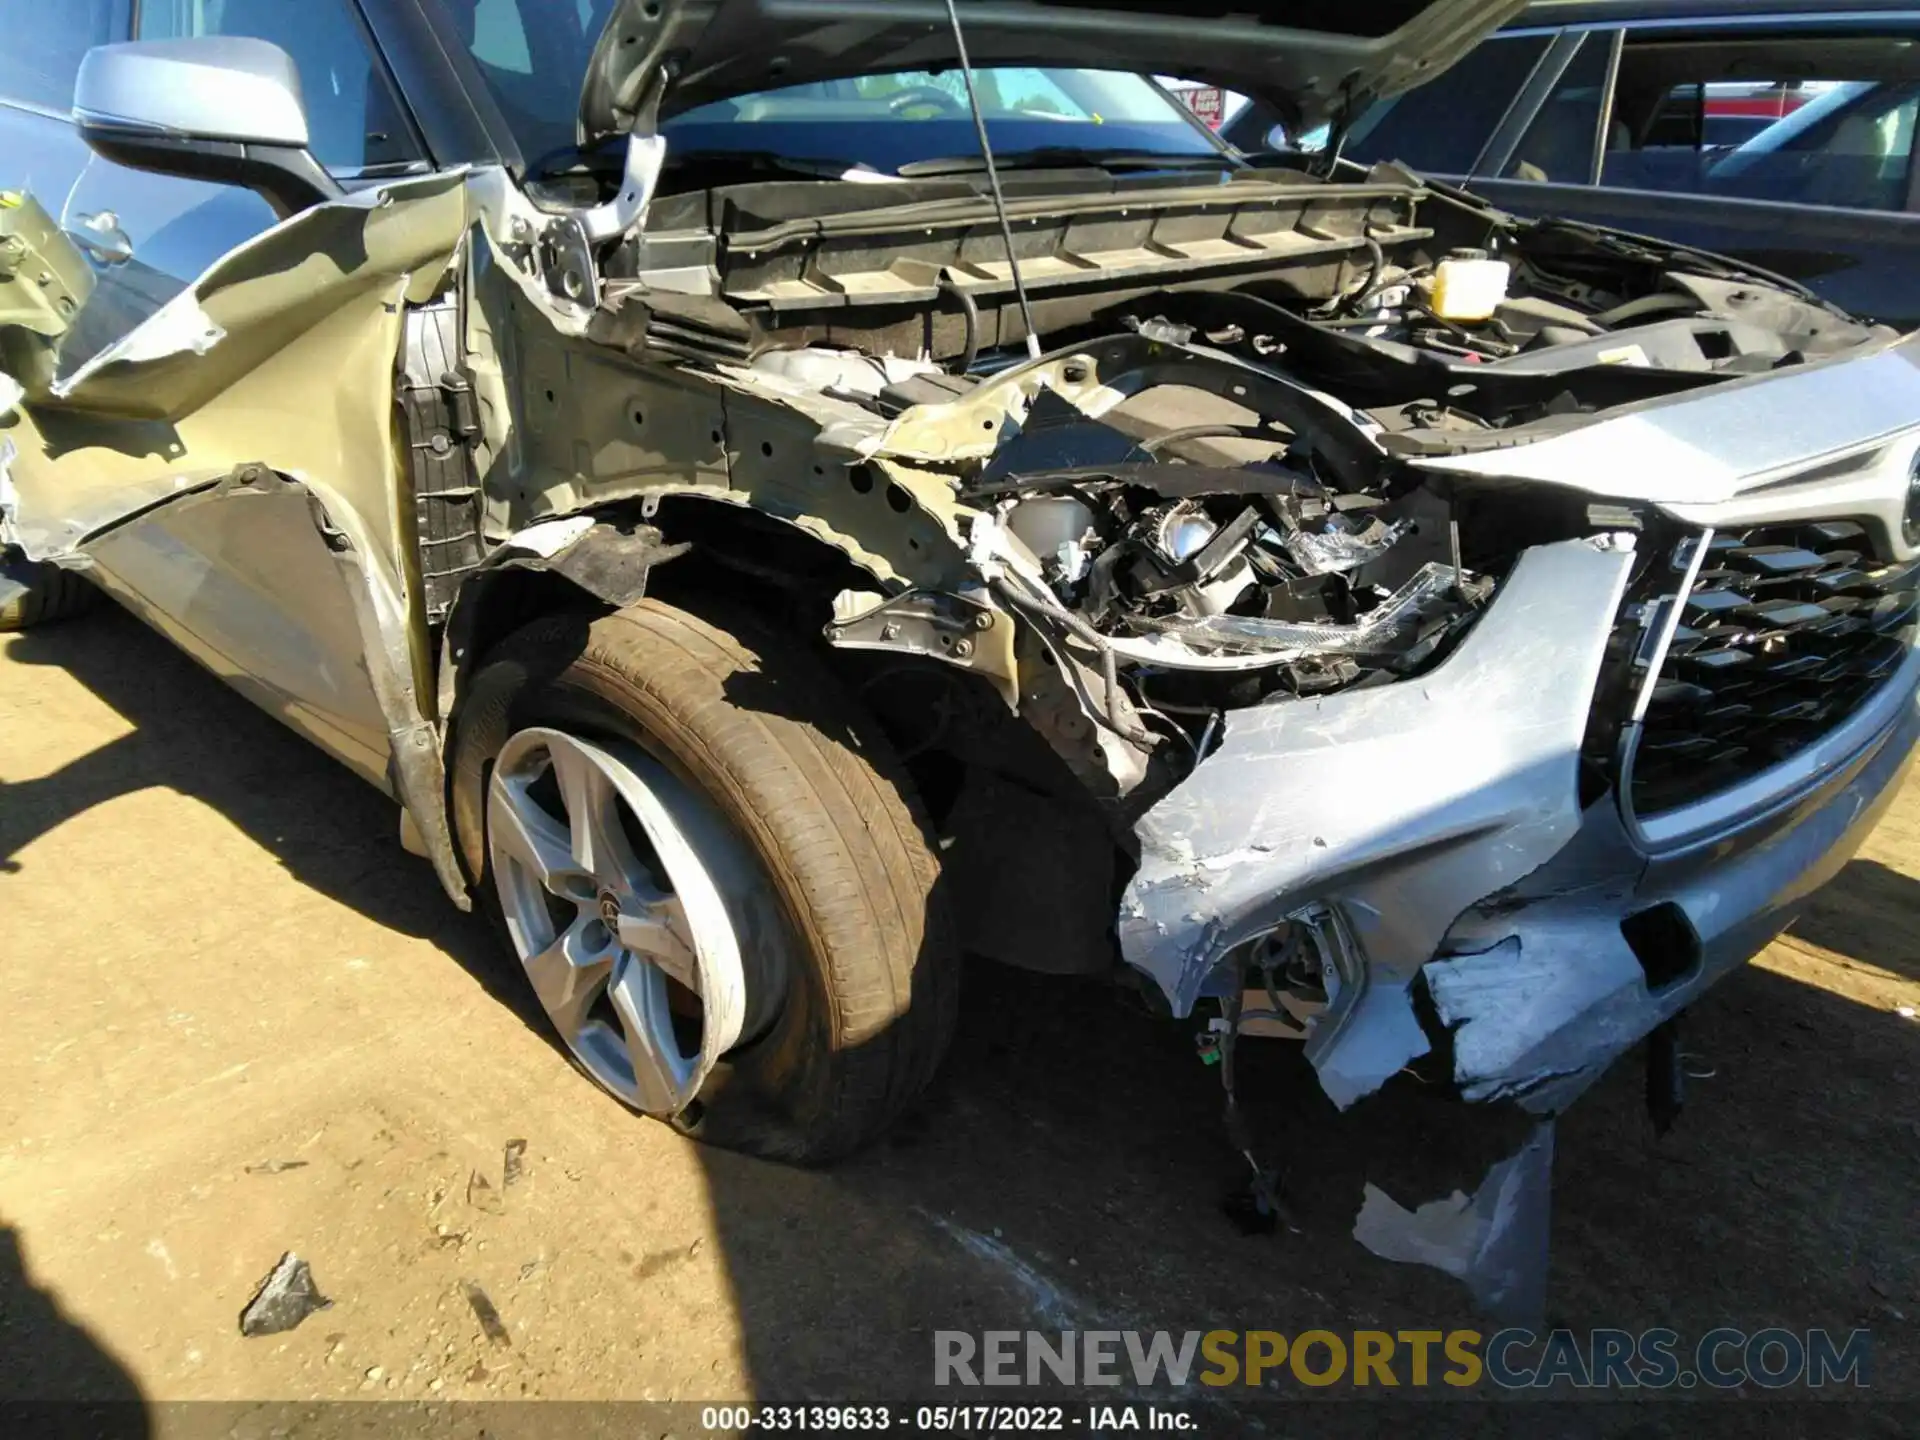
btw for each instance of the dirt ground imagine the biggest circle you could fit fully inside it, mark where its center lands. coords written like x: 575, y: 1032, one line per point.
x: 236, y: 1019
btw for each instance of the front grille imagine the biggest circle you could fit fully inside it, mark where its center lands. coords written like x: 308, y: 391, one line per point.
x: 1785, y: 631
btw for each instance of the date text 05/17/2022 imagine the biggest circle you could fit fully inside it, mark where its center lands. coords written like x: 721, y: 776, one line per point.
x: 938, y: 1419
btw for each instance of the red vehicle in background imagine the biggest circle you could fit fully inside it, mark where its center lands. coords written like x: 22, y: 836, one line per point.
x: 1735, y: 112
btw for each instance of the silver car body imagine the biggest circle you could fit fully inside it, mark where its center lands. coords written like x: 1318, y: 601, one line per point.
x: 230, y: 469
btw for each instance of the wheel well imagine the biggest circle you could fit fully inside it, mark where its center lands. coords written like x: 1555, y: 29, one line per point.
x: 985, y: 774
x: 733, y: 554
x: 739, y: 553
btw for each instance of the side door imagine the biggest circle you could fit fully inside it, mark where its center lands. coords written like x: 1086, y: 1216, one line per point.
x: 169, y: 229
x: 221, y: 451
x: 1648, y: 129
x: 41, y: 157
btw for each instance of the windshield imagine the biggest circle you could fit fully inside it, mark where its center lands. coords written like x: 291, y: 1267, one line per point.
x: 533, y: 53
x: 884, y: 122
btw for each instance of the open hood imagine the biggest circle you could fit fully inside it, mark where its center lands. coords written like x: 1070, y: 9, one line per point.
x: 1310, y: 58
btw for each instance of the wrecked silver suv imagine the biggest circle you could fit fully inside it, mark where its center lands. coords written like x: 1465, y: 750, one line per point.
x: 768, y: 548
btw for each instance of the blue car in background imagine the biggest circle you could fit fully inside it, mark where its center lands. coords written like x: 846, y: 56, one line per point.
x: 1780, y: 134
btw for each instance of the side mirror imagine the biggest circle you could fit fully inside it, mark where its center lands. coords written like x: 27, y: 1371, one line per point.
x: 212, y: 107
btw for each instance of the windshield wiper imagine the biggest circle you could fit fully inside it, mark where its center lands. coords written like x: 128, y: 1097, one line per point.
x: 1056, y: 156
x: 818, y: 167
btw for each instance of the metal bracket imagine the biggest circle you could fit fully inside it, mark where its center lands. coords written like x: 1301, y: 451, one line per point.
x: 937, y: 624
x: 567, y: 244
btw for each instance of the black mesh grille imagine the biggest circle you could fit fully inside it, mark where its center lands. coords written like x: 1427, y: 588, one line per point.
x: 1787, y: 629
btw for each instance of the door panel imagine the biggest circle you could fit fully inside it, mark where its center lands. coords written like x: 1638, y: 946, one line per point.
x: 161, y: 462
x: 174, y: 229
x: 243, y: 582
x: 1867, y: 262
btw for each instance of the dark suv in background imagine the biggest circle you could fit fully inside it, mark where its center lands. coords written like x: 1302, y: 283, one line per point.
x: 1779, y: 134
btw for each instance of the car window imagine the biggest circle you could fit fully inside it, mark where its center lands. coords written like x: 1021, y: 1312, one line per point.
x: 1802, y: 118
x: 532, y: 55
x: 355, y: 121
x: 885, y: 121
x: 1443, y: 125
x: 41, y: 46
x: 1559, y: 143
x: 1853, y: 151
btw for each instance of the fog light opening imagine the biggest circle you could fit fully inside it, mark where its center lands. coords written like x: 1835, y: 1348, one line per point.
x: 1665, y: 943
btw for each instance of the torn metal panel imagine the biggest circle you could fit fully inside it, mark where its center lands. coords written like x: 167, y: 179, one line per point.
x: 1496, y: 1241
x: 267, y: 292
x: 240, y: 575
x: 586, y: 426
x: 1403, y: 804
x: 297, y: 618
x: 317, y: 296
x: 297, y: 392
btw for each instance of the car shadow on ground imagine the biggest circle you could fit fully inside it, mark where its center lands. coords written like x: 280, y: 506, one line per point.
x: 55, y: 1377
x: 191, y: 734
x: 1067, y: 1169
x: 1871, y: 913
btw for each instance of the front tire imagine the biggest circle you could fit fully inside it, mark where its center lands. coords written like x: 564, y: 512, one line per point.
x: 753, y: 826
x: 35, y: 594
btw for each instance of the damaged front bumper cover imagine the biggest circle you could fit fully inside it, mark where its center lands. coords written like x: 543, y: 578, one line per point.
x: 1440, y: 820
x: 1441, y: 816
x: 1399, y: 804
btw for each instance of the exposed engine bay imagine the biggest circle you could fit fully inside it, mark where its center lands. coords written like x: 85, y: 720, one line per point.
x: 1202, y: 499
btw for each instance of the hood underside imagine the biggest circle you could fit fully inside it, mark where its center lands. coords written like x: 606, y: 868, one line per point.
x: 1311, y: 58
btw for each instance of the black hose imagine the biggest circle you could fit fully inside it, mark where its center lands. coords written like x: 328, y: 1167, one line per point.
x: 1379, y: 264
x: 971, y: 312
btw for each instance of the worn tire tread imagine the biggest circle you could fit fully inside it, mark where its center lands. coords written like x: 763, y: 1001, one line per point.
x: 832, y: 815
x: 52, y: 594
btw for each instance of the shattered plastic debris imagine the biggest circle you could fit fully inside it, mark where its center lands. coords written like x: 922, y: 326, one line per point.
x: 286, y: 1297
x: 1496, y: 1242
x: 485, y: 1313
x: 512, y: 1162
x: 1381, y: 629
x: 482, y: 1196
x: 1337, y: 550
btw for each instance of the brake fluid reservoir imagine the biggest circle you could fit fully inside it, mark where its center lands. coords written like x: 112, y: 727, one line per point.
x: 1467, y: 285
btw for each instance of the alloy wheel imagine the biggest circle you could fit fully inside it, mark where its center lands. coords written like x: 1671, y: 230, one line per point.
x: 614, y: 880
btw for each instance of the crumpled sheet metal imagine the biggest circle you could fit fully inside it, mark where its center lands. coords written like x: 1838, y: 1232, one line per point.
x: 1496, y: 1241
x: 1404, y: 804
x: 264, y: 293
